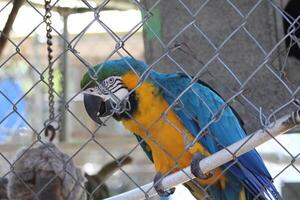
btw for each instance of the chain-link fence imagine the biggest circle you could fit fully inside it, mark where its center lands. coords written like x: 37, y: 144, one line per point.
x: 247, y: 52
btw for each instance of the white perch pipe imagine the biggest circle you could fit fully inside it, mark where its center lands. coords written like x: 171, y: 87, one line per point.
x: 219, y: 158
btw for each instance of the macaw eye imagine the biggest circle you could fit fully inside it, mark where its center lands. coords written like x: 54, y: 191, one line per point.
x: 111, y: 80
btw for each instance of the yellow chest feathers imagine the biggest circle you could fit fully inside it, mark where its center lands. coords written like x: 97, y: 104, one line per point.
x: 149, y: 115
x: 165, y: 134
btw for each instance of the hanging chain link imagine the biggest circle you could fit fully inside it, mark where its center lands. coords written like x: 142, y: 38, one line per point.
x: 50, y: 130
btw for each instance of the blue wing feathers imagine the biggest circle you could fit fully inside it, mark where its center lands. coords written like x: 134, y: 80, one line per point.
x: 201, y: 102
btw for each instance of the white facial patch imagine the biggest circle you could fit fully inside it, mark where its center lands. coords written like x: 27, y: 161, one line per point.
x: 115, y: 85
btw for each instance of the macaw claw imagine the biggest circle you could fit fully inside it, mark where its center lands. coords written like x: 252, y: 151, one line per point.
x: 159, y: 188
x: 195, y: 168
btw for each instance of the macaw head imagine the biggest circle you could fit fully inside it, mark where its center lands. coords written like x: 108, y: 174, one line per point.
x: 105, y: 94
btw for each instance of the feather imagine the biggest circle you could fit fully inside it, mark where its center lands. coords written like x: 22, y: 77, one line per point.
x: 201, y: 103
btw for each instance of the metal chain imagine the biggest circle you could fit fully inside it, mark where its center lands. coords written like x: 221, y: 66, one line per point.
x: 50, y: 128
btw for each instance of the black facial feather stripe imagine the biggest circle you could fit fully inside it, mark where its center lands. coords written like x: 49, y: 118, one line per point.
x: 108, y: 83
x: 112, y: 81
x: 115, y: 85
x: 114, y: 92
x: 117, y: 89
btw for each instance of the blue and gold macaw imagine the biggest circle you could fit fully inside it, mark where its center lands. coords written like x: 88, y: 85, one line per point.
x: 166, y: 112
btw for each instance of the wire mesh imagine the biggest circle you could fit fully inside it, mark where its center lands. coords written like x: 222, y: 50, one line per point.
x: 178, y: 36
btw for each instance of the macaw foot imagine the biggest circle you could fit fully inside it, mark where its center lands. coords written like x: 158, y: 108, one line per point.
x: 195, y: 168
x: 158, y: 186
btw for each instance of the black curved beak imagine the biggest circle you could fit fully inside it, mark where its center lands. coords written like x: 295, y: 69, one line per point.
x: 96, y: 107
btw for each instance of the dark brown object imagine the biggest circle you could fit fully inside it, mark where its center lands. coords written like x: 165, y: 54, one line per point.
x: 9, y: 23
x: 44, y: 172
